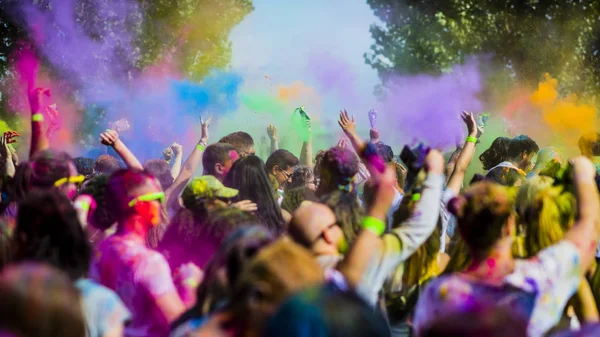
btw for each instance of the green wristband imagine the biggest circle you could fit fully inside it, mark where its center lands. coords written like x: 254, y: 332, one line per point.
x: 82, y: 205
x: 374, y: 225
x: 37, y: 118
x: 200, y: 147
x: 472, y: 139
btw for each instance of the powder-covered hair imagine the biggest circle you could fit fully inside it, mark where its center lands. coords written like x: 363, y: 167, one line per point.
x: 545, y: 211
x: 503, y: 149
x: 337, y: 169
x: 161, y: 170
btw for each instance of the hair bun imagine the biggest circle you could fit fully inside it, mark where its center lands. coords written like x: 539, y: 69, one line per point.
x: 456, y: 206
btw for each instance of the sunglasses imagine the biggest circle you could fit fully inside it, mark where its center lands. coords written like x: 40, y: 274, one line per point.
x: 67, y: 180
x: 148, y: 197
x: 286, y: 174
x: 322, y: 235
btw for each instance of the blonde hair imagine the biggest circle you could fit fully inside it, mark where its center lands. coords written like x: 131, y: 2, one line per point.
x: 275, y: 273
x: 545, y: 211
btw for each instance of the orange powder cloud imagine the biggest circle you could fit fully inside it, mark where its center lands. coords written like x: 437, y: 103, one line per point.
x: 569, y: 117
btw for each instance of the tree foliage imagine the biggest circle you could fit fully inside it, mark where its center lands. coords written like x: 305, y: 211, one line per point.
x: 522, y: 38
x: 195, y: 32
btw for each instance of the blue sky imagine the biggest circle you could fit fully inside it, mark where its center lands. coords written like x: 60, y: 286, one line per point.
x: 283, y: 38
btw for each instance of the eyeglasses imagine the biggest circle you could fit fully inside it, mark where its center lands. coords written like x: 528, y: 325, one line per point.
x: 75, y: 180
x: 286, y: 174
x: 148, y: 197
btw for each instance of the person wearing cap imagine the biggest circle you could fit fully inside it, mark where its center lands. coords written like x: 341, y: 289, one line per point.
x: 197, y: 228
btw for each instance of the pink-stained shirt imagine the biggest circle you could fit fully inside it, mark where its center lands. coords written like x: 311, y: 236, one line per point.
x: 139, y: 276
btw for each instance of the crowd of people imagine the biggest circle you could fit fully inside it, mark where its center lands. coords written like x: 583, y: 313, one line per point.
x: 351, y: 241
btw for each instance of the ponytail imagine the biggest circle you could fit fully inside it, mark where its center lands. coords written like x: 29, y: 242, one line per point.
x: 496, y: 154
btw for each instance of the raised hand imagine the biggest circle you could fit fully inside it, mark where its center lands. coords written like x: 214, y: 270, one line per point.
x: 168, y: 153
x: 347, y: 123
x: 35, y: 98
x: 245, y: 205
x: 272, y: 132
x: 434, y: 162
x: 8, y: 138
x: 205, y: 124
x: 471, y: 123
x: 109, y: 137
x: 176, y: 148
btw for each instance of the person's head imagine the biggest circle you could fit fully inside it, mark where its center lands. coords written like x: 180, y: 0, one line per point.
x: 385, y: 151
x: 249, y: 177
x: 545, y: 211
x: 102, y: 218
x: 337, y: 170
x: 281, y: 164
x: 276, y: 272
x: 549, y: 161
x: 52, y: 169
x: 484, y: 214
x: 488, y: 322
x: 134, y: 194
x: 107, y: 164
x: 85, y: 166
x: 217, y: 159
x: 224, y: 268
x: 348, y: 212
x: 241, y: 141
x: 315, y: 227
x: 303, y: 176
x: 326, y: 311
x: 39, y: 301
x: 189, y: 236
x: 160, y: 170
x: 49, y: 231
x: 520, y: 150
x: 295, y: 197
x: 589, y: 145
x: 506, y: 176
x: 374, y: 134
x: 205, y: 194
x: 20, y: 184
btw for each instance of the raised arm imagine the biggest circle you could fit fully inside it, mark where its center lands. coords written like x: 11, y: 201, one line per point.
x: 466, y: 155
x: 372, y: 257
x: 178, y: 152
x: 7, y: 154
x: 111, y: 138
x: 39, y: 139
x: 584, y: 233
x: 188, y: 168
x: 272, y: 132
x: 306, y: 153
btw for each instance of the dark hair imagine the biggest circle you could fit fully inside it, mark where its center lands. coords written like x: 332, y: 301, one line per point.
x: 240, y: 140
x: 49, y: 231
x: 489, y: 322
x: 282, y: 158
x: 49, y: 166
x: 326, y: 311
x: 476, y: 178
x: 102, y: 218
x: 107, y: 164
x: 348, y: 212
x: 337, y: 168
x: 20, y: 184
x: 160, y: 169
x: 385, y: 151
x: 249, y: 177
x: 189, y: 238
x: 293, y: 198
x: 589, y: 144
x: 505, y: 176
x: 503, y: 149
x: 6, y: 250
x: 119, y: 187
x: 40, y: 301
x: 233, y: 255
x: 481, y: 213
x: 301, y: 176
x: 85, y: 166
x: 213, y: 154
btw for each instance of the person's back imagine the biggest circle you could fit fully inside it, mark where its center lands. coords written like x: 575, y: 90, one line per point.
x: 139, y: 276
